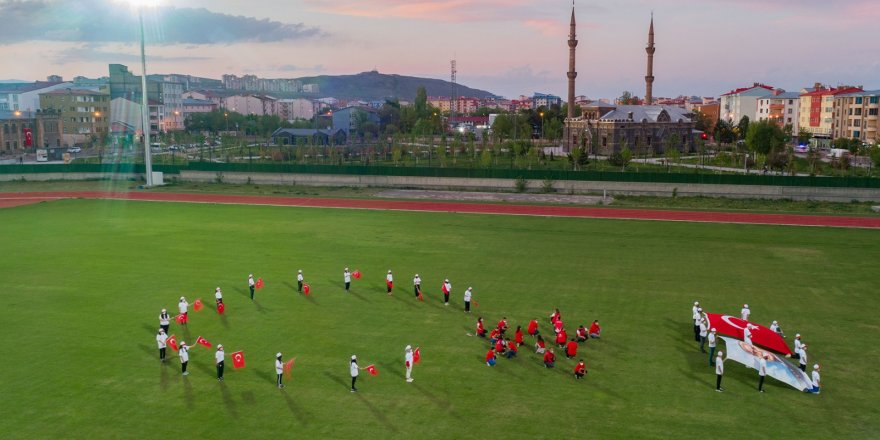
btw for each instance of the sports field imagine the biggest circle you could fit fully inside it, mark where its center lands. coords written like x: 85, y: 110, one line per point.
x: 82, y: 283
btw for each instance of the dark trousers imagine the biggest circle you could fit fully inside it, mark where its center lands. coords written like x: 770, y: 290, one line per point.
x: 703, y: 344
x: 252, y: 291
x: 467, y: 306
x: 445, y: 297
x: 220, y: 370
x: 579, y: 375
x: 761, y: 383
x: 347, y: 285
x: 388, y: 285
x: 299, y: 286
x: 697, y: 333
x: 417, y: 290
x: 718, y: 382
x: 219, y: 301
x: 162, y: 353
x: 804, y: 368
x: 353, y: 380
x: 183, y: 366
x: 711, y: 356
x: 164, y: 327
x: 279, y: 380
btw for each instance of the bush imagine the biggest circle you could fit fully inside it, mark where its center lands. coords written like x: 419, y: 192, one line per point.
x: 547, y: 185
x: 521, y: 184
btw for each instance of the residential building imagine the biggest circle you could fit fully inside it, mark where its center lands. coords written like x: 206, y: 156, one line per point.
x: 26, y: 96
x: 167, y: 95
x: 743, y: 102
x: 203, y: 95
x: 44, y: 127
x: 54, y: 78
x: 348, y: 119
x: 126, y: 119
x: 84, y: 113
x: 311, y: 88
x: 256, y: 84
x: 191, y: 106
x: 259, y: 105
x: 545, y: 100
x: 309, y: 136
x: 292, y: 109
x: 856, y: 116
x: 782, y: 108
x: 712, y: 112
x: 817, y: 110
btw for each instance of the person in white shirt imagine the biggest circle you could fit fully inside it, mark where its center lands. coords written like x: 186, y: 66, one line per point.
x: 703, y: 334
x: 695, y: 317
x: 447, y: 289
x: 408, y: 362
x: 762, y: 371
x: 745, y: 312
x: 218, y: 296
x: 346, y: 275
x: 747, y: 334
x: 164, y: 320
x: 719, y: 370
x: 183, y: 354
x: 712, y: 342
x: 803, y: 358
x: 797, y: 346
x: 251, y: 284
x: 299, y: 281
x: 355, y: 370
x: 183, y: 307
x: 417, y: 285
x: 776, y: 328
x: 218, y: 359
x: 467, y: 299
x: 160, y: 340
x: 389, y: 281
x: 279, y: 369
x: 816, y: 378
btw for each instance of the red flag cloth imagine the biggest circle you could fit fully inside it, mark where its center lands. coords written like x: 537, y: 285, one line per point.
x: 417, y: 355
x: 307, y: 288
x: 181, y: 319
x: 421, y: 298
x: 259, y: 283
x: 372, y: 370
x: 238, y: 359
x: 288, y: 366
x: 203, y: 341
x: 389, y: 284
x: 445, y: 291
x: 476, y: 304
x: 28, y: 137
x: 172, y: 341
x: 221, y: 308
x: 356, y: 274
x: 761, y: 336
x: 197, y: 305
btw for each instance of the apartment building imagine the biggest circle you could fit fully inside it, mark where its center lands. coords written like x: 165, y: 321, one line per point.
x: 856, y: 116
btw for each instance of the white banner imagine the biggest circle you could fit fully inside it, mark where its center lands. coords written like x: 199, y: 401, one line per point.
x: 777, y: 367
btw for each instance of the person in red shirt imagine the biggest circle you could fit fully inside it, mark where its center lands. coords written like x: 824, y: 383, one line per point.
x: 499, y: 346
x: 502, y: 325
x: 511, y: 349
x: 540, y: 346
x: 555, y: 316
x: 490, y: 358
x: 560, y: 338
x: 549, y: 359
x: 580, y: 370
x: 581, y: 334
x: 494, y: 336
x: 558, y: 326
x: 533, y: 327
x: 481, y: 331
x: 518, y: 336
x: 594, y: 329
x: 571, y: 349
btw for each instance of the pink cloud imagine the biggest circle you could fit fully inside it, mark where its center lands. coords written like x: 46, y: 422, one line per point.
x: 432, y: 10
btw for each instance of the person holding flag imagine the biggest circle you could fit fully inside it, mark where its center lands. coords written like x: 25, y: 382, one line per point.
x: 183, y: 307
x: 447, y: 289
x: 747, y: 334
x: 803, y: 358
x: 704, y: 333
x: 696, y: 318
x: 355, y: 371
x: 251, y: 285
x: 408, y: 362
x: 279, y: 370
x: 389, y: 281
x: 580, y: 370
x: 299, y: 281
x: 183, y: 354
x: 776, y: 328
x: 797, y: 346
x: 218, y: 359
x: 161, y: 339
x: 762, y: 371
x: 816, y: 377
x: 346, y: 276
x: 218, y: 296
x: 540, y: 346
x: 712, y: 343
x: 417, y: 286
x: 467, y: 299
x: 164, y: 320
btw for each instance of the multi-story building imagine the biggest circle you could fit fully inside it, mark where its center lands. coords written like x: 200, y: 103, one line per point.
x: 127, y: 119
x: 782, y: 108
x: 204, y: 95
x: 348, y: 119
x: 26, y: 96
x: 311, y: 88
x: 743, y: 102
x: 42, y: 127
x: 257, y: 84
x: 817, y: 110
x: 191, y: 106
x: 292, y: 109
x: 712, y: 111
x: 545, y: 100
x: 259, y: 105
x: 84, y: 113
x: 856, y: 116
x: 167, y: 95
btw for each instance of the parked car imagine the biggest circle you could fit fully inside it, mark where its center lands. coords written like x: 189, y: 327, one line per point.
x: 74, y: 150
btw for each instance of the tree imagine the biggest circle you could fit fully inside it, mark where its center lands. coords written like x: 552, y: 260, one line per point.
x: 765, y: 137
x: 724, y: 132
x: 703, y: 122
x: 743, y: 127
x: 421, y: 103
x: 804, y: 136
x: 627, y: 98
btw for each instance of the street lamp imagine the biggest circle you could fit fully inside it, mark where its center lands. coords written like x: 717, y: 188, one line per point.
x: 542, y: 125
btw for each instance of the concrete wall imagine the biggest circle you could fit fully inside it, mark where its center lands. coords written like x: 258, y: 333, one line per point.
x: 577, y: 187
x: 43, y: 177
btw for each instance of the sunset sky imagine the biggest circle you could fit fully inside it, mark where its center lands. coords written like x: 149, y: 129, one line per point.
x: 508, y: 47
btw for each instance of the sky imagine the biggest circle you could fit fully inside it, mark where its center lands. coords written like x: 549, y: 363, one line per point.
x: 508, y: 47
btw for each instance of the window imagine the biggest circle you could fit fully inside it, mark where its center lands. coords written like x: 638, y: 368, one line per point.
x: 859, y: 100
x: 856, y: 134
x: 872, y: 112
x: 789, y: 111
x: 873, y: 99
x: 858, y: 112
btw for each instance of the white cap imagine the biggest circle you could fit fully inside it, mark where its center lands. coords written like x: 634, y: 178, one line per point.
x: 278, y: 355
x: 389, y: 270
x: 816, y: 366
x: 353, y: 357
x: 470, y: 288
x: 408, y: 347
x: 251, y: 275
x: 797, y: 335
x: 219, y: 346
x: 745, y: 306
x: 720, y: 353
x: 182, y: 298
x: 300, y: 271
x: 417, y: 274
x: 218, y: 287
x: 700, y: 309
x: 775, y: 322
x: 696, y: 303
x: 161, y: 330
x: 346, y: 268
x: 163, y: 310
x: 713, y: 329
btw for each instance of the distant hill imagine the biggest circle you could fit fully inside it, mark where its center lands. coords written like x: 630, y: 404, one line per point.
x: 374, y: 85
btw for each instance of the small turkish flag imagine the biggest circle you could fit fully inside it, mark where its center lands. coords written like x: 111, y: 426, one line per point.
x: 421, y: 298
x: 181, y: 319
x: 172, y: 341
x: 221, y: 308
x: 356, y: 274
x: 372, y: 370
x: 197, y: 305
x: 306, y: 289
x: 259, y: 283
x: 476, y: 304
x: 203, y: 341
x: 389, y: 284
x: 238, y: 359
x: 288, y: 366
x: 417, y: 355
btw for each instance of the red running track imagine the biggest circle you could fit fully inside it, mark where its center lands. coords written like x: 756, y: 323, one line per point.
x: 473, y: 208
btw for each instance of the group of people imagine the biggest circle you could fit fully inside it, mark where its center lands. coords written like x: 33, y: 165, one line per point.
x: 704, y: 334
x: 502, y: 345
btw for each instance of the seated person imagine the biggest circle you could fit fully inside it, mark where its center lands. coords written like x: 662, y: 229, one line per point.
x: 595, y: 330
x: 490, y: 358
x: 560, y: 338
x: 580, y: 370
x: 499, y: 346
x: 581, y: 334
x: 533, y: 327
x: 571, y: 349
x: 481, y: 331
x: 511, y: 349
x: 549, y: 359
x: 518, y: 336
x: 494, y: 336
x: 540, y: 346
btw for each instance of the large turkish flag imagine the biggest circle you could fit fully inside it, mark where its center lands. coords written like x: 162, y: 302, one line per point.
x: 761, y: 336
x: 238, y: 359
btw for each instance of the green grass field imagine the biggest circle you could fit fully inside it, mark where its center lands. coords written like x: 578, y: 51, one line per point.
x: 82, y: 283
